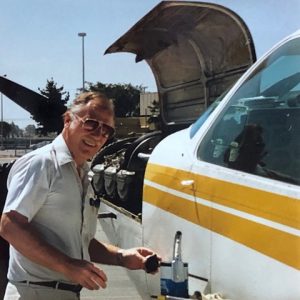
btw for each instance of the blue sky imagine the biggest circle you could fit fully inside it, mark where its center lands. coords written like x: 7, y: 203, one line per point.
x: 39, y: 40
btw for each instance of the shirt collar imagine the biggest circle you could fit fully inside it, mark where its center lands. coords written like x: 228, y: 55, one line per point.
x: 63, y: 153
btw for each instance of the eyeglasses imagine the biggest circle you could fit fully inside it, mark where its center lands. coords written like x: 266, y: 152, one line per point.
x: 92, y: 125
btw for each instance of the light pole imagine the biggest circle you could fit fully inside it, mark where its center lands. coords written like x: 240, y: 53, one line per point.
x: 82, y: 34
x: 1, y: 127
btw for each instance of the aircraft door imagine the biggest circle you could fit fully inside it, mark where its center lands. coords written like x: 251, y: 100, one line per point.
x: 250, y: 170
x: 248, y: 178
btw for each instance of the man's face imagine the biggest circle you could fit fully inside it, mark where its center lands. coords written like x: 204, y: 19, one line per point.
x: 83, y: 143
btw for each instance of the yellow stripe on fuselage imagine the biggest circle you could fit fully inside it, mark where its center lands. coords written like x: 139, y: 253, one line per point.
x: 280, y: 245
x: 271, y: 206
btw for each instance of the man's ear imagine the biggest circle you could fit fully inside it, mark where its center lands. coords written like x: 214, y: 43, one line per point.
x: 67, y: 119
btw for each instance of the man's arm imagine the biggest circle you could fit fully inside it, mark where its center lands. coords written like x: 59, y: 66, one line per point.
x: 16, y: 229
x: 133, y: 259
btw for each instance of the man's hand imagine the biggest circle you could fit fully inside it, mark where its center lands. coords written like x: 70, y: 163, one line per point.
x: 135, y: 258
x: 139, y: 258
x: 86, y: 274
x: 31, y: 245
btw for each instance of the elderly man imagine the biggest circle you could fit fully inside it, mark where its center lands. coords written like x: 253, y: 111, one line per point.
x: 46, y: 219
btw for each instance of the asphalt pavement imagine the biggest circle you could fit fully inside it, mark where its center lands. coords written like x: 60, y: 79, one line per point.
x: 119, y: 284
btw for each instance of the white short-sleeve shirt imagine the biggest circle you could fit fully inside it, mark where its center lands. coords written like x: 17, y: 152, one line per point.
x: 44, y: 186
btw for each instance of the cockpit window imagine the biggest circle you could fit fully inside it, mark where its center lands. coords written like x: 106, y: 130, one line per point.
x: 196, y: 125
x: 259, y: 130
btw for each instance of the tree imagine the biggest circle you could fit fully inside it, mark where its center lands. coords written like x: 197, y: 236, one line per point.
x: 154, y: 118
x: 15, y: 130
x: 126, y: 97
x: 6, y: 129
x: 30, y: 130
x: 50, y: 113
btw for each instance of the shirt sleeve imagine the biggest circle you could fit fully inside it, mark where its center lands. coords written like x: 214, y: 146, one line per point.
x: 28, y: 186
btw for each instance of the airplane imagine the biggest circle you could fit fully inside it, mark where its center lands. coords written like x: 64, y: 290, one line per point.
x: 31, y: 101
x: 217, y: 196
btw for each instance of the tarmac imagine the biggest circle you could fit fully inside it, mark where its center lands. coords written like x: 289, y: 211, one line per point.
x: 11, y: 154
x: 119, y: 284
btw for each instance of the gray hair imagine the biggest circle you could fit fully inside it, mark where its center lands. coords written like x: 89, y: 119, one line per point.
x: 84, y: 98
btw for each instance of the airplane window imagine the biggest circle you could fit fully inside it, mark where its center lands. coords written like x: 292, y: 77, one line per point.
x: 196, y: 125
x: 259, y: 129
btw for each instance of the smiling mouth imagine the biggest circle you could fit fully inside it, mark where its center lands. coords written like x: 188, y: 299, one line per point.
x: 90, y: 143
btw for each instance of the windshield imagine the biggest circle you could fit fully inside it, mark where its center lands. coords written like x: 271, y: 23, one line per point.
x: 259, y: 129
x: 196, y: 125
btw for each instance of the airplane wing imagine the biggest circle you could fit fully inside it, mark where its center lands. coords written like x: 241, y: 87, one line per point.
x: 24, y: 97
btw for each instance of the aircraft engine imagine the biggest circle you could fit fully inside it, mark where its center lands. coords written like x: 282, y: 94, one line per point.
x: 119, y: 170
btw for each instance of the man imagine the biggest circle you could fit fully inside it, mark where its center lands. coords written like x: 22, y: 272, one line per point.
x: 46, y: 219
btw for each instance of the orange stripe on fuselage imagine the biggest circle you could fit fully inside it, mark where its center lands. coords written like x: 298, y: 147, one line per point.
x: 271, y: 206
x: 272, y: 242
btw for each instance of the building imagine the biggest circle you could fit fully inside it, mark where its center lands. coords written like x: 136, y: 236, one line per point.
x: 146, y: 100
